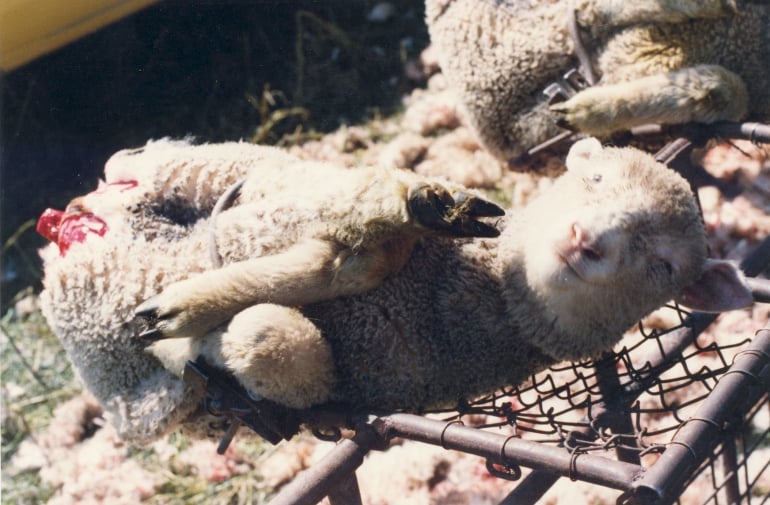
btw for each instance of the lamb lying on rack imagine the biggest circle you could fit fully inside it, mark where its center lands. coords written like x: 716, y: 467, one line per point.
x: 655, y: 61
x: 351, y: 285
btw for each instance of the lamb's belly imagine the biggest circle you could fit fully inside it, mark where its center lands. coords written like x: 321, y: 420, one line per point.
x: 385, y: 352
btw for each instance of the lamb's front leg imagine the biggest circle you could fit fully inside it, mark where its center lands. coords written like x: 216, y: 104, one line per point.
x: 702, y: 94
x: 273, y: 351
x: 312, y: 270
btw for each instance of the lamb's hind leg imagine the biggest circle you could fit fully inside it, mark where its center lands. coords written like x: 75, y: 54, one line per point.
x: 313, y: 269
x: 274, y: 352
x: 703, y: 94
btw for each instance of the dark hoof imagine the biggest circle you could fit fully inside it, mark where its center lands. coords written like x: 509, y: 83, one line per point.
x: 560, y: 112
x: 147, y: 309
x: 149, y: 312
x: 151, y: 335
x: 452, y: 214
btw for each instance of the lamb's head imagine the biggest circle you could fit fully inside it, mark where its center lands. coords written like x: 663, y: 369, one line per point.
x: 617, y: 236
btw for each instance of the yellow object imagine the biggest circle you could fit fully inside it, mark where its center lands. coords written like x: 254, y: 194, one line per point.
x: 32, y: 28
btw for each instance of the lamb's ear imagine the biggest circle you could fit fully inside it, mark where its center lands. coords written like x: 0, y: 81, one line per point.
x: 581, y: 152
x: 720, y: 287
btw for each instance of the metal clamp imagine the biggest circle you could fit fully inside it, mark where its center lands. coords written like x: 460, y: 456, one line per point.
x: 224, y: 397
x: 565, y: 88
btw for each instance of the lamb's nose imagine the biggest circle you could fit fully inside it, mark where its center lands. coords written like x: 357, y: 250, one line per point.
x: 585, y: 244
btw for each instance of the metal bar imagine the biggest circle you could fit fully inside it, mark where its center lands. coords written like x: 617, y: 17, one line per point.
x: 313, y: 484
x: 759, y: 259
x: 755, y: 132
x: 672, y: 150
x: 508, y: 450
x: 531, y: 489
x: 347, y: 492
x: 619, y: 416
x: 663, y: 481
x: 729, y: 464
x: 760, y: 289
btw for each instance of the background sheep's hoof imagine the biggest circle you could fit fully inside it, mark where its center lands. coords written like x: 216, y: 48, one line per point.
x: 575, y: 114
x: 455, y: 214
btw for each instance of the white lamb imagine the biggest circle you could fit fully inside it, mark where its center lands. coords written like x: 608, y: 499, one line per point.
x: 349, y: 285
x: 656, y: 61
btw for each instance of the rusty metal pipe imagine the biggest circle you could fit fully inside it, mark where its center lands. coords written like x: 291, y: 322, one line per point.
x: 662, y: 482
x: 504, y: 449
x: 618, y: 417
x: 729, y: 461
x: 760, y: 289
x: 313, y: 484
x: 755, y: 132
x: 347, y: 492
x: 531, y: 488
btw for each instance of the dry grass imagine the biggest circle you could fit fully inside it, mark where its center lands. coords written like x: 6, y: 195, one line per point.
x: 35, y: 378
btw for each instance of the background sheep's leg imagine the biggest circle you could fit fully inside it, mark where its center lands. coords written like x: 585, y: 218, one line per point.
x: 310, y: 271
x: 702, y: 94
x: 498, y: 58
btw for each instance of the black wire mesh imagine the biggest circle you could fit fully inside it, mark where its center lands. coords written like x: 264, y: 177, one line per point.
x: 554, y: 403
x: 557, y: 407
